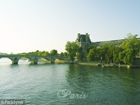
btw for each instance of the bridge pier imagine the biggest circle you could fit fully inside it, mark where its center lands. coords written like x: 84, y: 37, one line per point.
x: 35, y: 60
x: 15, y: 60
x: 52, y: 61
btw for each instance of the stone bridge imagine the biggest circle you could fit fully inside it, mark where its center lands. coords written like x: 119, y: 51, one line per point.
x: 33, y: 58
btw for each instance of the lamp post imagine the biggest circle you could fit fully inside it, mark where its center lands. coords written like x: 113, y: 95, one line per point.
x: 101, y: 59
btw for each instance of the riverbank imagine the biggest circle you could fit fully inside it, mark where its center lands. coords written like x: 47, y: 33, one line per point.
x: 88, y: 63
x: 109, y: 65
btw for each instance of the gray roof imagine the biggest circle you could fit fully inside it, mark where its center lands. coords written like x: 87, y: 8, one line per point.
x: 82, y: 38
x: 113, y: 42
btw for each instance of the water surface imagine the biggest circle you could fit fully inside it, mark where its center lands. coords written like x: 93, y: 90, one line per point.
x: 57, y: 84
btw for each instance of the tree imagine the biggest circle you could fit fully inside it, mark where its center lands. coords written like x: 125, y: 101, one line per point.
x: 61, y: 54
x: 39, y: 53
x: 53, y: 52
x: 102, y: 51
x: 36, y: 52
x: 116, y: 52
x: 65, y: 53
x: 80, y: 54
x: 109, y: 54
x: 91, y: 47
x: 42, y: 53
x: 71, y: 48
x: 131, y: 47
x: 45, y: 53
x: 92, y: 56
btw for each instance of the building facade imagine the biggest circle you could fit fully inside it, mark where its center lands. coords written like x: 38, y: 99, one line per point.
x: 83, y: 40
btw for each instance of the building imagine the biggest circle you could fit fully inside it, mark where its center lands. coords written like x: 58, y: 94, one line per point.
x: 83, y: 40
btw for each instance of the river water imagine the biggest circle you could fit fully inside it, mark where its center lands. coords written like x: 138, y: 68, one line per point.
x: 69, y: 84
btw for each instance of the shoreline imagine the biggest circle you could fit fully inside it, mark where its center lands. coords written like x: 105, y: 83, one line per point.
x: 109, y: 65
x: 88, y: 63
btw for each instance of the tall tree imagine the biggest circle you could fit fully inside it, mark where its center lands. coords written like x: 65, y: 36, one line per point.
x: 109, y: 54
x: 131, y: 47
x: 93, y: 55
x: 71, y: 48
x: 80, y: 54
x: 116, y: 52
x: 102, y: 51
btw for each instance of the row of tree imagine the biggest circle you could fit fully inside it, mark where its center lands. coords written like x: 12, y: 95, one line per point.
x: 125, y: 53
x: 44, y: 53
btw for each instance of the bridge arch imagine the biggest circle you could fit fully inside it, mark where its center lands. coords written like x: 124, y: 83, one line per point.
x: 6, y: 60
x: 61, y: 60
x: 29, y: 59
x: 44, y: 59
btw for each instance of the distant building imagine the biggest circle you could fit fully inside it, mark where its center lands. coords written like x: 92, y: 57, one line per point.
x: 83, y: 40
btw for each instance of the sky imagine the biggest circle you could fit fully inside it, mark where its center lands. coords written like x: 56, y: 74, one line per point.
x: 30, y: 25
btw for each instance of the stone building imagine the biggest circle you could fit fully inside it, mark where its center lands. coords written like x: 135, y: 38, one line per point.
x: 83, y: 41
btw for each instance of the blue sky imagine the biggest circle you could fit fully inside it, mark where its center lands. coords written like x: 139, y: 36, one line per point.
x: 30, y: 25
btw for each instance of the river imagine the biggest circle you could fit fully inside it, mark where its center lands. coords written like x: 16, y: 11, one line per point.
x: 69, y: 84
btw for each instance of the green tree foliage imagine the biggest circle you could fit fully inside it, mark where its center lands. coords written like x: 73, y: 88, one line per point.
x: 91, y: 47
x: 131, y: 47
x: 61, y: 54
x: 93, y: 55
x: 116, y: 52
x: 65, y: 53
x: 71, y: 48
x: 37, y: 52
x: 109, y: 54
x: 53, y: 52
x: 45, y: 53
x: 102, y: 51
x: 80, y: 54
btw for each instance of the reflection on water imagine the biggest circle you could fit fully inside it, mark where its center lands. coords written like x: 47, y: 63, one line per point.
x: 41, y: 84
